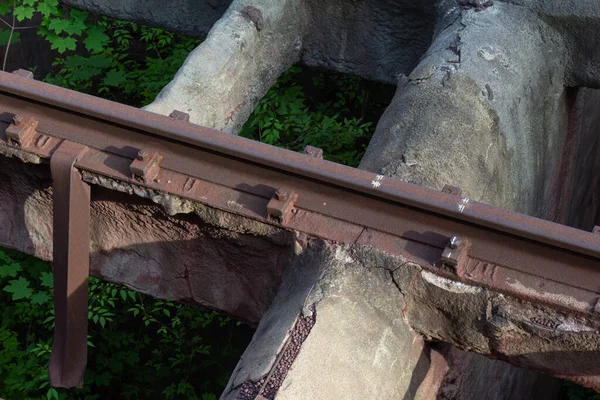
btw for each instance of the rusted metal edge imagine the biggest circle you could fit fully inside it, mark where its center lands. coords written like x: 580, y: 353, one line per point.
x: 502, y: 262
x: 71, y: 241
x: 568, y: 276
x: 303, y: 165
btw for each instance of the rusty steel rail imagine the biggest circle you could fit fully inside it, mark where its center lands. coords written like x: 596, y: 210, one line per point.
x: 444, y: 232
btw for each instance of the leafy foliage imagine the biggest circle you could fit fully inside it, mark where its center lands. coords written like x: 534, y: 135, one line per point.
x: 138, y: 347
x: 118, y: 60
x: 327, y: 112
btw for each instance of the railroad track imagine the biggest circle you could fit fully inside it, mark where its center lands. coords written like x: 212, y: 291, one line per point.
x: 444, y: 232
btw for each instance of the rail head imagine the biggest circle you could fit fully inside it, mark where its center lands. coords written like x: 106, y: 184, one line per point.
x: 446, y: 233
x: 364, y: 182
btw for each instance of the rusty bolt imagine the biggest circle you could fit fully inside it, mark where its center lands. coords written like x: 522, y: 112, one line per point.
x: 18, y: 119
x: 313, y: 151
x: 282, y: 194
x: 142, y: 155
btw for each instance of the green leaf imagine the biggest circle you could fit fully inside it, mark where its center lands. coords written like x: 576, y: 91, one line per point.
x: 23, y: 12
x: 103, y: 379
x: 10, y: 270
x: 5, y: 7
x: 59, y: 25
x: 63, y: 44
x: 77, y: 15
x: 75, y: 27
x: 100, y: 61
x: 114, y: 78
x: 47, y: 279
x: 131, y: 294
x: 40, y: 298
x: 48, y: 7
x: 19, y: 289
x: 5, y: 35
x: 52, y: 394
x: 96, y: 39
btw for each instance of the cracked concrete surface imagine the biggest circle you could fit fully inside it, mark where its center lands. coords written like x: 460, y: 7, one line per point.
x: 198, y: 258
x: 223, y: 79
x: 368, y: 307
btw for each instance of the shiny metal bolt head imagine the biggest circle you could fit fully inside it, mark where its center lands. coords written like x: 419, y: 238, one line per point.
x: 142, y: 155
x: 455, y: 241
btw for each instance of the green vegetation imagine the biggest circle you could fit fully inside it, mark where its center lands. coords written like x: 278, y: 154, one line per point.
x: 130, y: 63
x: 331, y: 111
x: 139, y: 347
x: 118, y: 60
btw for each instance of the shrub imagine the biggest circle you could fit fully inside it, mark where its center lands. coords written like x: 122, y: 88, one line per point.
x: 139, y: 347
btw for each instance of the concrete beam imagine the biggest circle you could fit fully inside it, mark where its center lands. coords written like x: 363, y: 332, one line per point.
x: 346, y: 323
x: 200, y: 257
x: 245, y: 52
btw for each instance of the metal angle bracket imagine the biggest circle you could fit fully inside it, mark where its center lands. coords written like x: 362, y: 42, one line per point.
x: 281, y: 204
x: 456, y: 253
x: 21, y: 131
x: 71, y: 264
x: 146, y: 166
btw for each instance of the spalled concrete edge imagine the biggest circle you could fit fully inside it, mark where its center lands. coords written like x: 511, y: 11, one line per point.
x: 245, y: 52
x: 501, y: 327
x: 275, y: 327
x: 476, y: 113
x: 206, y: 257
x: 406, y: 301
x: 174, y: 205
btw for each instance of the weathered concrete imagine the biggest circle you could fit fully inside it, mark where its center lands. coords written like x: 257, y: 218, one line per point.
x: 187, y: 17
x: 376, y: 39
x: 223, y: 79
x: 198, y: 258
x: 365, y: 306
x: 479, y: 111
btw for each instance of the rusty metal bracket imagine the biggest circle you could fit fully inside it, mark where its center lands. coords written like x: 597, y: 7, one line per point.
x: 452, y: 190
x: 281, y: 204
x: 180, y: 116
x: 456, y: 253
x: 146, y: 166
x: 313, y: 151
x: 23, y: 73
x: 21, y: 132
x: 71, y: 267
